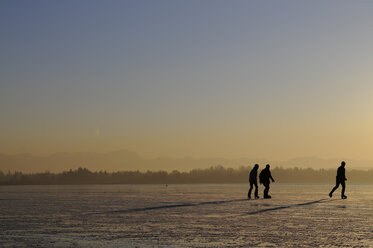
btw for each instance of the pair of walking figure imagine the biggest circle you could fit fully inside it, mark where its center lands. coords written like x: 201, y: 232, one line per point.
x: 264, y: 178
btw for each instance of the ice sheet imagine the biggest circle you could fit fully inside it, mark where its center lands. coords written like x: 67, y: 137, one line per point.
x: 184, y: 216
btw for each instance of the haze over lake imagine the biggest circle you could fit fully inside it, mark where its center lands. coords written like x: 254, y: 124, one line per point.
x: 123, y: 159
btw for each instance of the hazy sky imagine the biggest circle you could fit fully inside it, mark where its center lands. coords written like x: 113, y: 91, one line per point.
x: 268, y: 79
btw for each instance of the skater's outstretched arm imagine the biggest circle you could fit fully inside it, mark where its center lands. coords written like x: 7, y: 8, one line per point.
x: 270, y: 176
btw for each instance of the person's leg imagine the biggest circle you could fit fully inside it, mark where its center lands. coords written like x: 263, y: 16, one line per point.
x: 266, y: 189
x: 249, y: 193
x: 256, y: 190
x: 343, y: 188
x: 335, y: 187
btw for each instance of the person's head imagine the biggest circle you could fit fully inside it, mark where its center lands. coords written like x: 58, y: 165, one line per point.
x: 343, y: 163
x: 256, y: 166
x: 267, y: 166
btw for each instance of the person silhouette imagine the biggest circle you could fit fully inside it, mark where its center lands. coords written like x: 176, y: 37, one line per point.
x: 340, y: 179
x: 253, y: 181
x: 264, y: 177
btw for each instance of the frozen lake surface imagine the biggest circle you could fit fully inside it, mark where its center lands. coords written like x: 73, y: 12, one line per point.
x: 184, y: 216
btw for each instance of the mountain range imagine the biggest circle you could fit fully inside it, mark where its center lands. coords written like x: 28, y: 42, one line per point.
x: 125, y: 160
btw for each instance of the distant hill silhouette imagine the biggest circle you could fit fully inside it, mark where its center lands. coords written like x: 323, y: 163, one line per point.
x: 125, y: 160
x: 215, y: 174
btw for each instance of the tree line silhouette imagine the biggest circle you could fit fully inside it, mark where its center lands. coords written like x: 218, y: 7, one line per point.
x: 215, y: 174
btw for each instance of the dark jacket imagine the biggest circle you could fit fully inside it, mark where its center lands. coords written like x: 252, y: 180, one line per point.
x: 254, y: 175
x: 265, y: 175
x: 341, y: 173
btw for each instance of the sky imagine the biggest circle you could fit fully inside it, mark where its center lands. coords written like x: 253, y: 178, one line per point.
x: 257, y: 79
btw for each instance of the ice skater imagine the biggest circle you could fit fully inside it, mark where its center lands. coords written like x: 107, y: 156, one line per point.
x: 253, y: 181
x: 264, y: 177
x: 341, y: 178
